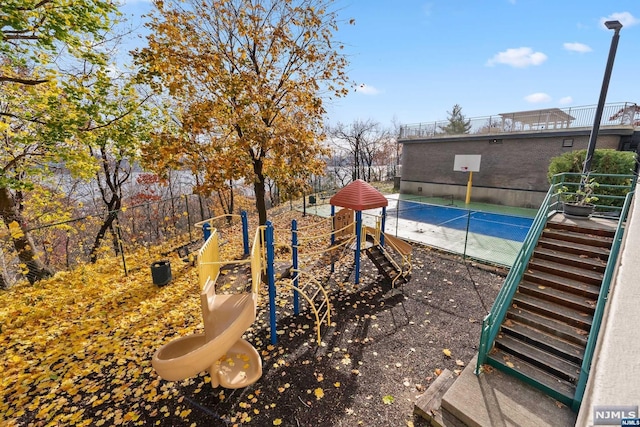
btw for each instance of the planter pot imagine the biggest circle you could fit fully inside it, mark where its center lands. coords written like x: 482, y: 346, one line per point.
x: 578, y: 210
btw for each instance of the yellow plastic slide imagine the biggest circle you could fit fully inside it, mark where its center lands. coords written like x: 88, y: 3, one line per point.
x: 231, y: 361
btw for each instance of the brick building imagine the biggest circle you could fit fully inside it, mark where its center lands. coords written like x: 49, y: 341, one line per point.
x: 515, y: 150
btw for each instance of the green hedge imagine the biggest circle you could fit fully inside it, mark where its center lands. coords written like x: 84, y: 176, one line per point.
x: 605, y: 161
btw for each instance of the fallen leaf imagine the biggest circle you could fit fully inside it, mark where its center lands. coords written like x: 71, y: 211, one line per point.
x: 388, y: 399
x: 447, y: 352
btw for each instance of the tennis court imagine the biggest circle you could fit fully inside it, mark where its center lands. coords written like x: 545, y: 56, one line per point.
x: 494, y: 234
x: 486, y: 223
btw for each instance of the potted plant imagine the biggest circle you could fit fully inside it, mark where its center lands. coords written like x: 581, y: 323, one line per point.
x: 580, y: 203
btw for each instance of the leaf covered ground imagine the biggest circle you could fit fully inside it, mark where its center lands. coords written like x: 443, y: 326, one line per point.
x: 77, y: 348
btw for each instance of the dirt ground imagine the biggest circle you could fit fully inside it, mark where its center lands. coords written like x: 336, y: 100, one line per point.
x: 384, y: 347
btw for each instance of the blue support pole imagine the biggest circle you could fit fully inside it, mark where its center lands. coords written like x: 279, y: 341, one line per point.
x: 245, y: 232
x: 206, y: 230
x: 333, y: 233
x: 294, y: 252
x: 384, y: 220
x: 356, y: 254
x: 333, y: 225
x: 268, y: 237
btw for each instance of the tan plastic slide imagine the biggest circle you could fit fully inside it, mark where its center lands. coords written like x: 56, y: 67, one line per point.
x: 231, y: 361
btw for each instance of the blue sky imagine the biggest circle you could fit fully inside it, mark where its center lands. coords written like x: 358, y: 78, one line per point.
x: 412, y: 60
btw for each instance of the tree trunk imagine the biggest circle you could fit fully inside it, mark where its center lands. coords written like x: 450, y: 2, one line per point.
x: 22, y: 242
x: 259, y: 190
x: 4, y: 277
x: 231, y: 197
x: 106, y: 225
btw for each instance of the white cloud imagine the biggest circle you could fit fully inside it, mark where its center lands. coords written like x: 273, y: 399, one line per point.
x: 566, y: 100
x: 577, y: 47
x: 625, y: 18
x: 521, y: 57
x: 537, y: 98
x: 367, y: 90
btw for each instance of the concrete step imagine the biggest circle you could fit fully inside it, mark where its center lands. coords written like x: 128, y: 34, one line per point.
x: 497, y: 399
x: 568, y: 285
x: 541, y: 339
x: 561, y: 297
x: 574, y: 248
x: 536, y: 377
x: 557, y: 268
x: 599, y: 227
x: 578, y: 237
x: 575, y: 260
x: 552, y: 310
x: 549, y: 325
x: 543, y: 360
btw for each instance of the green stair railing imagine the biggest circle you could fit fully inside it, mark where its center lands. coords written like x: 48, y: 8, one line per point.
x: 562, y: 185
x: 600, y: 305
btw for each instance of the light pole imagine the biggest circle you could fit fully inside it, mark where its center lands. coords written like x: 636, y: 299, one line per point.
x: 616, y: 26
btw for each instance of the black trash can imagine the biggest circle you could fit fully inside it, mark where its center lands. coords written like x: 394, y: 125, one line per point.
x: 312, y: 200
x: 161, y: 272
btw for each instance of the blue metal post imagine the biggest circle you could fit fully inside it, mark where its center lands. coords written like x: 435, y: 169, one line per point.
x: 384, y: 220
x: 271, y: 280
x: 356, y: 254
x: 245, y: 232
x: 333, y: 225
x: 294, y: 252
x: 333, y: 233
x: 206, y: 230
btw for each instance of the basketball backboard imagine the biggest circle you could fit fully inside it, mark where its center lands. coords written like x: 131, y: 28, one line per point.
x: 467, y: 163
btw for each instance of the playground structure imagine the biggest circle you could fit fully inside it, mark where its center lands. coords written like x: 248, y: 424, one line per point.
x: 233, y: 362
x: 359, y: 196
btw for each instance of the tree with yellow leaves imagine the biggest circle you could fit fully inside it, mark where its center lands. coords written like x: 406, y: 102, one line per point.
x: 59, y: 105
x: 36, y: 120
x: 253, y: 74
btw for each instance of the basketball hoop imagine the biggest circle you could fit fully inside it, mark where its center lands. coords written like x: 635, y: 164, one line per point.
x: 464, y: 168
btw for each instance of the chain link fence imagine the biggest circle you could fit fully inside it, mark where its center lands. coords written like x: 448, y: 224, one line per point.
x: 63, y: 245
x: 488, y: 233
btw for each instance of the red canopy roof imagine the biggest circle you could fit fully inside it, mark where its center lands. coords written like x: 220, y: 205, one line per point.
x: 359, y: 196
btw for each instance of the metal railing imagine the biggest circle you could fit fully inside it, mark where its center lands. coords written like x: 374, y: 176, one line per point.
x: 600, y: 305
x: 552, y: 204
x: 553, y: 119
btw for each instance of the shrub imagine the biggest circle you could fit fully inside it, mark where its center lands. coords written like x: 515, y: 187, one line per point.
x: 605, y: 161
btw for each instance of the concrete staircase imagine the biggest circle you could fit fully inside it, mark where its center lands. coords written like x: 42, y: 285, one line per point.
x: 543, y: 337
x: 536, y: 358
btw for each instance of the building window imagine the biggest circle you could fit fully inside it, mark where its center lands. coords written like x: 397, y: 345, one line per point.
x: 568, y: 142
